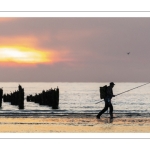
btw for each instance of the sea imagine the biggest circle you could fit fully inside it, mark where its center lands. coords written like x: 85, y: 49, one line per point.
x: 80, y: 97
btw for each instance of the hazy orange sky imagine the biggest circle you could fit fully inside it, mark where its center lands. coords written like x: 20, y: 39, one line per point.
x: 74, y: 49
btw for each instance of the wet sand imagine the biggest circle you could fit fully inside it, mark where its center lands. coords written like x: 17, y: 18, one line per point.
x: 75, y: 123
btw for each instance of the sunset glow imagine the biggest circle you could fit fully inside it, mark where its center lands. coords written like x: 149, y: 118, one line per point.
x: 22, y: 55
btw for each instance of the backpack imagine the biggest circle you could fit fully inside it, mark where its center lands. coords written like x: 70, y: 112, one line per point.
x: 103, y: 92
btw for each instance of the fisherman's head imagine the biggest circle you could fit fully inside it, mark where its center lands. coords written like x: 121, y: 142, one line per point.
x: 112, y: 84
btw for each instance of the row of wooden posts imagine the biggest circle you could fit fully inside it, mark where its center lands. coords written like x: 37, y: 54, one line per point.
x: 49, y: 98
x: 15, y: 98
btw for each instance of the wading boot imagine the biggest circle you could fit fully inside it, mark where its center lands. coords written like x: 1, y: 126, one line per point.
x: 111, y: 116
x: 97, y: 117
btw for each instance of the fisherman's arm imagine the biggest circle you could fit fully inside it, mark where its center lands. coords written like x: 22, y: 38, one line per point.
x: 110, y: 92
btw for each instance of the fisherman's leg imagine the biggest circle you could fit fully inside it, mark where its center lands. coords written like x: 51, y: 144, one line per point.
x: 111, y: 110
x: 101, y: 112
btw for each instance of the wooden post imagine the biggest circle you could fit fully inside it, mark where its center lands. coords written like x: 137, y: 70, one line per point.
x: 28, y: 98
x: 4, y: 98
x: 21, y: 97
x: 1, y: 96
x: 56, y: 99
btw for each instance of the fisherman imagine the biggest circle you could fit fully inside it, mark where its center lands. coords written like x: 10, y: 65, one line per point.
x: 107, y: 100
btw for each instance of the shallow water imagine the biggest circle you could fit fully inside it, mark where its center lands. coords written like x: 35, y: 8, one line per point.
x: 77, y: 97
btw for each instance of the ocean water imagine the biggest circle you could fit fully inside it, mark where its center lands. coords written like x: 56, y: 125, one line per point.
x: 78, y: 97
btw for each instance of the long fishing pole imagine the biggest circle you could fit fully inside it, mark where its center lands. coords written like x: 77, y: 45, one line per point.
x: 127, y: 91
x: 132, y: 89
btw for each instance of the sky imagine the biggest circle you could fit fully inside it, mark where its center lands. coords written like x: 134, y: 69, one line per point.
x: 75, y: 49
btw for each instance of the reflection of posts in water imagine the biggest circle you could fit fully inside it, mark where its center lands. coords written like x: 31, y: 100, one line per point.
x: 1, y: 96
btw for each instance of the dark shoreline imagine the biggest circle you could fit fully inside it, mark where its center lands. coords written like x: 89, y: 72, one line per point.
x: 77, y: 115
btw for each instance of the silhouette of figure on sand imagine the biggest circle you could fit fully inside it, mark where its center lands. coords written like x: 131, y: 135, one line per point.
x: 107, y: 100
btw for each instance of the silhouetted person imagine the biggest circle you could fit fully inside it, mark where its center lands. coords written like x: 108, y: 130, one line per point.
x: 107, y: 100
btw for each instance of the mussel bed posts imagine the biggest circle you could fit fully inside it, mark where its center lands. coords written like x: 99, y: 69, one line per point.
x: 49, y: 97
x: 15, y: 98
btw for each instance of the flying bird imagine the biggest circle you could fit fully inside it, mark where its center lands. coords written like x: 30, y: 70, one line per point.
x: 128, y: 53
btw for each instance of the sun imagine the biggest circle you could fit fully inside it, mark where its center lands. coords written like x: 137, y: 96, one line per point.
x: 24, y: 55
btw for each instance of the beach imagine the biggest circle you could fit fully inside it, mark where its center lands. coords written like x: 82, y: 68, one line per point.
x: 75, y: 123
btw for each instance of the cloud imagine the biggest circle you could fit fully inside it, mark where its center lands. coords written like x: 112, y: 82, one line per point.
x: 18, y: 40
x: 86, y: 49
x: 6, y: 20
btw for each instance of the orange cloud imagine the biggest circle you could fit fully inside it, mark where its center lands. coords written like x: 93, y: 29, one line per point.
x: 22, y: 50
x: 18, y: 40
x: 25, y: 51
x: 24, y: 55
x: 6, y: 19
